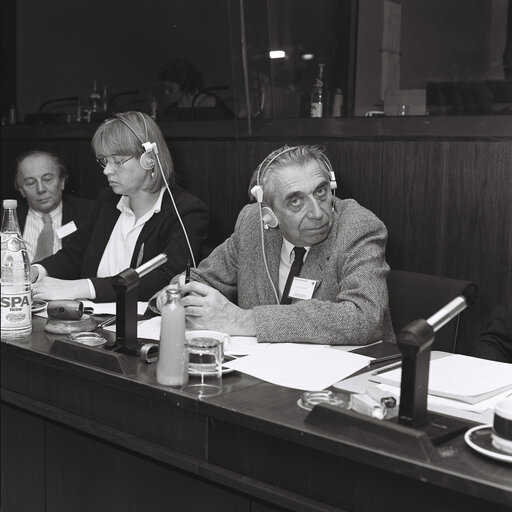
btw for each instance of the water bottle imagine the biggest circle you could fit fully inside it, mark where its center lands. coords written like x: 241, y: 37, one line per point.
x: 172, y: 365
x: 94, y: 98
x: 317, y: 94
x: 16, y: 300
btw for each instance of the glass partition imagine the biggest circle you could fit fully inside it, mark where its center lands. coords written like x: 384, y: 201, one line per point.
x: 244, y: 60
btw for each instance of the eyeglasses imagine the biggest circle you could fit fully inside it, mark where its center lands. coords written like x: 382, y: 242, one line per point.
x: 113, y: 161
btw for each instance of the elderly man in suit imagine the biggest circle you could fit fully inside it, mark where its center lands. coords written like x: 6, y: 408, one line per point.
x: 47, y: 217
x: 255, y: 283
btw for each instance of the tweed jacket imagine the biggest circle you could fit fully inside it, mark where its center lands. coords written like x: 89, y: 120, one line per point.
x: 81, y: 256
x: 350, y: 301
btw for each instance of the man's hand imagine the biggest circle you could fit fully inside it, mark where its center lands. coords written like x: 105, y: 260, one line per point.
x: 206, y: 308
x: 50, y: 288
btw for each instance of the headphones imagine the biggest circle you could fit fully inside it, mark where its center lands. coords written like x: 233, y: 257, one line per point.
x: 268, y: 217
x: 146, y: 160
x: 148, y: 163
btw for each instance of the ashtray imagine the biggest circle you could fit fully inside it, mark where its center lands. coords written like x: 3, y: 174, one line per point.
x: 91, y: 339
x: 309, y: 399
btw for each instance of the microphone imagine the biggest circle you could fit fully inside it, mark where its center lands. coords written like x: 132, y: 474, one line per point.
x: 467, y: 298
x: 67, y: 99
x: 125, y: 285
x: 414, y: 342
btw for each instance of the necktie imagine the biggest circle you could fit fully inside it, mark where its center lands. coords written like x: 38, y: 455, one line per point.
x: 294, y: 272
x: 45, y: 240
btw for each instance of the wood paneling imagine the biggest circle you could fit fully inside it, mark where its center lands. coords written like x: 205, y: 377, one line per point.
x: 448, y: 209
x: 447, y: 203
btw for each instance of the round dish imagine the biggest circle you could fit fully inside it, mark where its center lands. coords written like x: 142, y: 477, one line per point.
x: 480, y: 439
x: 38, y: 305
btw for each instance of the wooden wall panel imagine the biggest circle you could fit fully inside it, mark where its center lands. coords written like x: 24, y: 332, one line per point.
x: 209, y: 170
x: 447, y: 204
x: 448, y: 208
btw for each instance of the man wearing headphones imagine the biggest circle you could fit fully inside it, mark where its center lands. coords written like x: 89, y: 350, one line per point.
x: 317, y: 274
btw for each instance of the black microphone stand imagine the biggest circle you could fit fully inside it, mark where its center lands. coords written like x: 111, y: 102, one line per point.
x: 415, y: 342
x: 126, y: 286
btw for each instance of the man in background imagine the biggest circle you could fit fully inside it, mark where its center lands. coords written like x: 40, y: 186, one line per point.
x: 47, y: 217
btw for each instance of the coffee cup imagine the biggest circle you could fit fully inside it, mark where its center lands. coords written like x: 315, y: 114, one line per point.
x: 502, y: 426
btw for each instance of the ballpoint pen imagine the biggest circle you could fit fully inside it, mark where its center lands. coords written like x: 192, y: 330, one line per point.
x: 187, y: 273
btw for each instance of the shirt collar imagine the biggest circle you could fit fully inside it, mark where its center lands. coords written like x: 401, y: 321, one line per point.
x: 54, y: 214
x: 288, y: 250
x: 123, y: 204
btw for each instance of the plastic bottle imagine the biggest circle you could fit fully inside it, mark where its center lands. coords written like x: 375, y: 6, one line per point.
x: 154, y: 109
x: 94, y: 98
x: 13, y: 115
x: 172, y: 365
x: 104, y: 99
x: 16, y: 299
x: 317, y: 94
x: 337, y: 103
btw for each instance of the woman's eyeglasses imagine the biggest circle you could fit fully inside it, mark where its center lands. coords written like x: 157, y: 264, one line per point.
x: 113, y: 161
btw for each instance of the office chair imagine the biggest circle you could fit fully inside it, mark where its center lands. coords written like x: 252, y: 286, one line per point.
x: 413, y: 295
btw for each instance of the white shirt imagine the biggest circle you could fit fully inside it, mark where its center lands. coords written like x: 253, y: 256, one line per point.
x: 34, y: 226
x: 119, y: 250
x: 285, y: 263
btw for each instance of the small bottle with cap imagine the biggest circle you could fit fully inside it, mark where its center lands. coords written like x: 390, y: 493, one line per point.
x: 172, y: 365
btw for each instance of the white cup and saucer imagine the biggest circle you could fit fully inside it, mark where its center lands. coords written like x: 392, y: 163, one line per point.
x: 494, y: 440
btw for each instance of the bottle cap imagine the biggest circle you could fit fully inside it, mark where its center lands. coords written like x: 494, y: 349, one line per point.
x: 10, y: 203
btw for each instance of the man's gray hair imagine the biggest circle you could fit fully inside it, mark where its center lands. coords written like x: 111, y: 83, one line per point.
x: 287, y: 156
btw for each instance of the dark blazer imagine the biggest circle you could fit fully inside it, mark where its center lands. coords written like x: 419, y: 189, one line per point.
x: 73, y: 209
x: 82, y: 254
x: 496, y: 341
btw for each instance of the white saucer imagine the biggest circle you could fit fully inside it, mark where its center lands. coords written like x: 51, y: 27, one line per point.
x: 480, y: 439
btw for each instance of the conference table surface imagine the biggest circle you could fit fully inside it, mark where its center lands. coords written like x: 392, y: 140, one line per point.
x: 249, y: 448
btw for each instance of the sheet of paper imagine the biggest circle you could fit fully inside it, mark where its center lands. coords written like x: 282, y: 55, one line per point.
x: 244, y: 346
x: 109, y: 308
x: 460, y: 377
x: 102, y: 308
x: 480, y: 412
x: 300, y: 366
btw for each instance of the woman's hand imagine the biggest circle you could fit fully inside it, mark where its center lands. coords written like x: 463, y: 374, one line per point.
x: 50, y: 288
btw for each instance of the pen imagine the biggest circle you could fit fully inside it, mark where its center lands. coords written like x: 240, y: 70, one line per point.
x: 392, y: 357
x: 387, y: 368
x: 106, y: 322
x: 187, y: 273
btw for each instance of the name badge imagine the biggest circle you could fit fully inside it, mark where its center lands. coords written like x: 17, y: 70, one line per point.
x: 65, y: 230
x: 302, y: 288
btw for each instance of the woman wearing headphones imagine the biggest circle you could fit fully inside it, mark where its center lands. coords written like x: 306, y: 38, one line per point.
x: 142, y: 214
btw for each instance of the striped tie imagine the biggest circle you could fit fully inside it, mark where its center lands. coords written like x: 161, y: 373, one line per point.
x: 45, y: 240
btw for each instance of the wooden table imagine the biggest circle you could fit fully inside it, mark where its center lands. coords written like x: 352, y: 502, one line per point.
x: 78, y: 438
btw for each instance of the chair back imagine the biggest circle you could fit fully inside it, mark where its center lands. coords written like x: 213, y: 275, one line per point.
x: 413, y: 295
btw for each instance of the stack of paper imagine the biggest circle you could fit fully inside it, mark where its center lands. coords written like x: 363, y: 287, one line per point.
x: 462, y: 386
